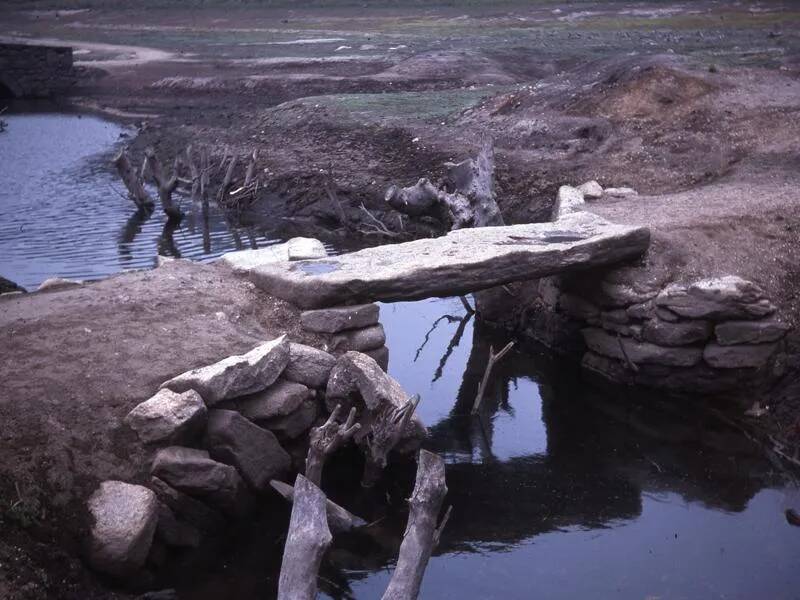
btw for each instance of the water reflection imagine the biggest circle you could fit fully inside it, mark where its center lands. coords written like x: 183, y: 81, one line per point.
x: 64, y: 213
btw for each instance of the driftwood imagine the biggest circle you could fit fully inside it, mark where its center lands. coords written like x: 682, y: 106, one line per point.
x: 339, y: 519
x: 306, y: 542
x: 326, y: 439
x: 385, y: 430
x: 133, y: 182
x: 493, y: 359
x: 422, y: 534
x: 166, y: 184
x: 465, y: 198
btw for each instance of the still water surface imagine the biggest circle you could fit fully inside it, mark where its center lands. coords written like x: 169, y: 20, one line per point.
x: 63, y: 211
x: 558, y: 490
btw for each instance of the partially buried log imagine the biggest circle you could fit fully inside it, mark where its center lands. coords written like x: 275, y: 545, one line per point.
x: 422, y: 533
x: 339, y: 519
x: 306, y: 542
x: 133, y: 182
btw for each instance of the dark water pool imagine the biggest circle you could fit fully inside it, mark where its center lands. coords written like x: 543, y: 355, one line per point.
x: 63, y: 211
x: 558, y: 490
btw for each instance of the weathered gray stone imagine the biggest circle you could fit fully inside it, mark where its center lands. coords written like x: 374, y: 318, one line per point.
x: 750, y: 332
x: 380, y: 356
x: 295, y: 249
x: 681, y: 333
x: 666, y: 315
x: 191, y: 510
x: 623, y: 294
x: 738, y: 357
x: 308, y: 366
x: 718, y: 298
x: 618, y: 316
x: 236, y: 375
x: 577, y: 307
x: 174, y: 532
x: 463, y: 261
x: 549, y: 291
x: 168, y: 417
x: 360, y: 340
x: 620, y: 192
x: 637, y: 352
x: 278, y: 400
x: 296, y: 423
x: 124, y: 521
x: 255, y: 452
x: 568, y: 200
x: 194, y: 472
x: 634, y: 331
x: 641, y: 311
x: 591, y: 190
x: 340, y: 318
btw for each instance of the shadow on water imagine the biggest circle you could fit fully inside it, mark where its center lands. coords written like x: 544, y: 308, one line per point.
x: 558, y: 490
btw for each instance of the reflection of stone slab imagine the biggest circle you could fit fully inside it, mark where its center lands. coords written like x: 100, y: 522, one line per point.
x: 463, y: 261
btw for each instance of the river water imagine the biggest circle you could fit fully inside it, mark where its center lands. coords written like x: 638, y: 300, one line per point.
x: 63, y: 210
x: 558, y: 490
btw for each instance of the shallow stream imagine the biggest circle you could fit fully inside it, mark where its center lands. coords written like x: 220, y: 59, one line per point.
x: 558, y: 490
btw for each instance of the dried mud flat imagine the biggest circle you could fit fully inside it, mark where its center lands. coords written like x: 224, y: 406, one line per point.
x: 697, y: 108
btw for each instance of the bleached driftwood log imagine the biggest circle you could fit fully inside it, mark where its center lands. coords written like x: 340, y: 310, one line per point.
x: 339, y: 519
x: 465, y: 199
x: 306, y: 542
x: 133, y: 182
x: 165, y: 184
x: 422, y: 533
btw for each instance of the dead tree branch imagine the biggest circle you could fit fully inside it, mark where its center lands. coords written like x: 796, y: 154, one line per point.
x: 326, y: 439
x: 422, y: 533
x: 339, y: 519
x: 166, y: 184
x: 133, y: 181
x: 306, y: 542
x: 493, y: 359
x: 383, y: 435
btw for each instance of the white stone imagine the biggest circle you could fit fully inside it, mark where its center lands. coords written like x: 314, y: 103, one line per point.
x: 568, y: 200
x: 168, y: 417
x: 295, y: 249
x: 591, y: 190
x: 620, y: 192
x: 125, y: 518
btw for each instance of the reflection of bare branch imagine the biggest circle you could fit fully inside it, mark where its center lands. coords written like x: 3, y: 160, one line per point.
x: 466, y: 304
x: 455, y: 341
x: 450, y: 319
x: 493, y: 359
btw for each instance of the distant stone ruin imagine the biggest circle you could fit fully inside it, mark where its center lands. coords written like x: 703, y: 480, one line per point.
x: 29, y: 71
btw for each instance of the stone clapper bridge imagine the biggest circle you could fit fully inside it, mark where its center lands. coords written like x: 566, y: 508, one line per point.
x: 461, y: 262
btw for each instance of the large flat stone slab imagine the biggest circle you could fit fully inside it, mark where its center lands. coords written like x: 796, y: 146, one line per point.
x: 463, y: 261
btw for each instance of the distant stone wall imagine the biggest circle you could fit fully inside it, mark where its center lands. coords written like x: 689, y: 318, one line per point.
x: 28, y: 71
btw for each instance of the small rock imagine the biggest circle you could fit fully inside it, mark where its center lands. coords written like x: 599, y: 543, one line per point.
x: 194, y: 472
x: 168, y: 417
x: 681, y: 333
x: 236, y: 375
x: 718, y: 298
x: 58, y: 283
x: 174, y: 532
x: 295, y: 249
x: 301, y: 248
x: 591, y: 190
x: 620, y: 192
x: 618, y: 316
x: 295, y: 424
x: 255, y: 452
x: 568, y: 200
x: 738, y: 357
x: 606, y: 344
x: 186, y: 508
x: 9, y: 287
x: 621, y: 294
x: 125, y: 518
x: 666, y: 315
x: 308, y: 366
x: 279, y: 400
x: 360, y: 340
x: 641, y: 311
x: 750, y: 332
x: 341, y: 318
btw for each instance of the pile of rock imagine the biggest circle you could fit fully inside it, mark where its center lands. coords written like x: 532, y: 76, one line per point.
x: 351, y: 328
x: 222, y: 432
